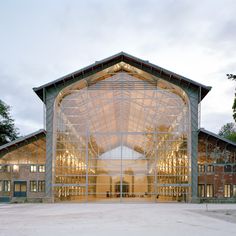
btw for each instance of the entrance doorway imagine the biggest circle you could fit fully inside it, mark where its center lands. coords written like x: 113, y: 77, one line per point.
x: 20, y: 189
x: 122, y: 189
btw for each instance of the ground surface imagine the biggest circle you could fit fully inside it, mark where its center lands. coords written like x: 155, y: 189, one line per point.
x: 117, y: 219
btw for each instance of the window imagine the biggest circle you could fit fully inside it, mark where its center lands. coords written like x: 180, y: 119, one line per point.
x: 42, y: 168
x: 33, y: 168
x: 201, y: 168
x: 41, y: 186
x: 15, y: 168
x: 209, y: 190
x: 6, y: 168
x: 210, y: 168
x: 227, y: 168
x: 234, y: 190
x: 6, y: 185
x: 234, y: 168
x: 201, y: 190
x: 20, y: 189
x: 33, y: 186
x: 227, y: 190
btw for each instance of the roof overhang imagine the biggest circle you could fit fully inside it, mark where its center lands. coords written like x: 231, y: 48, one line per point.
x: 216, y: 136
x: 131, y: 60
x: 11, y: 146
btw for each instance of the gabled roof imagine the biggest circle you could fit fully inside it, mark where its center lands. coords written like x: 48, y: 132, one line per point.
x: 131, y: 60
x: 209, y: 133
x: 21, y: 141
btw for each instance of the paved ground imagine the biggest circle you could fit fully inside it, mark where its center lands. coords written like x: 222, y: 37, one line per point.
x: 117, y: 219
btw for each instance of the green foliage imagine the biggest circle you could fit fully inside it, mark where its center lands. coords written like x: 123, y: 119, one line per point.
x: 228, y: 131
x: 233, y: 77
x: 234, y: 107
x: 8, y: 132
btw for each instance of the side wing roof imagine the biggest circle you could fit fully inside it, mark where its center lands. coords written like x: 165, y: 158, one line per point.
x: 22, y: 141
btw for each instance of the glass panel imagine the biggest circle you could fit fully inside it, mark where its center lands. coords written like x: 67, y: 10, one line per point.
x: 42, y: 168
x: 201, y: 190
x: 15, y: 168
x: 6, y: 185
x: 33, y: 186
x: 17, y: 188
x: 41, y: 186
x: 33, y: 168
x: 124, y: 138
x: 33, y: 152
x: 23, y: 187
x: 234, y: 190
x: 227, y: 190
x: 20, y: 187
x: 209, y: 190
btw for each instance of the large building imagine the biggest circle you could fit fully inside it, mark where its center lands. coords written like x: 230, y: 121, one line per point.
x: 120, y: 130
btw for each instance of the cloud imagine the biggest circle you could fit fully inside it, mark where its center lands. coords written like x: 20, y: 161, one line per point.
x: 41, y: 41
x: 211, y: 120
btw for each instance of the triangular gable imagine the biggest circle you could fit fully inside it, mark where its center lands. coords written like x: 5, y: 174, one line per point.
x: 131, y: 60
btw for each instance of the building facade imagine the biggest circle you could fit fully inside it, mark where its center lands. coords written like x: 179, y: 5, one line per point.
x: 120, y: 130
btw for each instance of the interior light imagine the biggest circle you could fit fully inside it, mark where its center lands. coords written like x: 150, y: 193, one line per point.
x: 15, y: 168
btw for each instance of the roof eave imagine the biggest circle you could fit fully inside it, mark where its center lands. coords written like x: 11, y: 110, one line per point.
x: 21, y: 140
x: 217, y: 136
x: 112, y: 60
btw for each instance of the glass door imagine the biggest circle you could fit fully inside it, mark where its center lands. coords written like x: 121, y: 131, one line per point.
x: 20, y: 189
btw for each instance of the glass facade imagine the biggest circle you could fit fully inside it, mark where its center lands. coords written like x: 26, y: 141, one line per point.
x: 30, y: 154
x: 122, y: 137
x: 120, y: 130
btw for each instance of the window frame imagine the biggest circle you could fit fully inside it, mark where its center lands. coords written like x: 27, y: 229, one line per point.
x: 227, y: 191
x: 41, y: 166
x: 33, y: 168
x: 234, y: 190
x: 201, y: 168
x: 15, y: 168
x: 33, y: 186
x: 6, y: 186
x: 210, y: 169
x: 7, y: 168
x: 234, y: 168
x: 227, y: 170
x: 41, y: 186
x: 201, y: 190
x: 210, y: 190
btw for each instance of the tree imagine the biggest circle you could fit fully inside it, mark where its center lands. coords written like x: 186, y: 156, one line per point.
x: 228, y: 131
x: 8, y: 131
x: 233, y: 77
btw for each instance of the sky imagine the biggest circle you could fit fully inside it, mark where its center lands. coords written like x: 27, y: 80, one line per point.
x: 41, y: 41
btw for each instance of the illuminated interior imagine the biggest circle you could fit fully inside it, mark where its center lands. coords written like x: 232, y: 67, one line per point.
x: 33, y: 152
x: 122, y: 135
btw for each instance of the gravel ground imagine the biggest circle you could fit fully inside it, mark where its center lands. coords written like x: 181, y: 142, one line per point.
x: 117, y: 219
